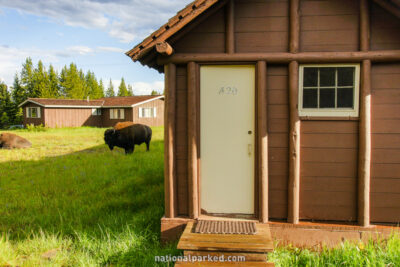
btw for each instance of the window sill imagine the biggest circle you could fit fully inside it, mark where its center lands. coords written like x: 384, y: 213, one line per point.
x: 333, y: 118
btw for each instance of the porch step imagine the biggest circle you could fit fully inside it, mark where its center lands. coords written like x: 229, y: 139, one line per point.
x: 253, y: 248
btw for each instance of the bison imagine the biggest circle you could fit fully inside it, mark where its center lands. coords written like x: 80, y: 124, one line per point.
x: 127, y: 137
x: 11, y: 141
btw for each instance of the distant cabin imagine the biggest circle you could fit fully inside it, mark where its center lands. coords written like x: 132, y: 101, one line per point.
x: 104, y: 112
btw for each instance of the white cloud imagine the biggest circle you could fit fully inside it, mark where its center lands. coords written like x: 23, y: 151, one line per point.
x: 110, y: 49
x: 121, y: 19
x: 81, y: 50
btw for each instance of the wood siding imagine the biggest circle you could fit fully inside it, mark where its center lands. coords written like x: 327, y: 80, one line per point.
x: 207, y: 37
x: 70, y: 117
x: 261, y: 26
x: 328, y: 186
x: 329, y: 25
x: 181, y: 146
x: 107, y: 122
x: 157, y: 121
x: 278, y: 136
x: 385, y: 172
x: 385, y: 29
x: 34, y: 121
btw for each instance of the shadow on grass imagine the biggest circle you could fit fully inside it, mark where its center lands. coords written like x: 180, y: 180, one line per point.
x: 92, y: 194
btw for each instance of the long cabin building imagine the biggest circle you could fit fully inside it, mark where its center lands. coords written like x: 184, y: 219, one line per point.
x: 104, y: 112
x: 280, y: 111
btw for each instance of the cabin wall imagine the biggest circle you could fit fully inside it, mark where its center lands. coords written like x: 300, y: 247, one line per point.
x: 158, y: 120
x: 181, y: 145
x: 385, y: 169
x: 107, y: 122
x: 34, y: 121
x: 329, y: 25
x: 261, y: 26
x: 278, y: 141
x: 385, y: 29
x: 70, y: 117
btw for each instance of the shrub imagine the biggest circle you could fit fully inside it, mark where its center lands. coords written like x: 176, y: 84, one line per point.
x: 37, y: 128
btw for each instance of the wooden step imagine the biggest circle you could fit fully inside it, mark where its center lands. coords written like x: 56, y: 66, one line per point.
x: 205, y: 264
x: 261, y: 242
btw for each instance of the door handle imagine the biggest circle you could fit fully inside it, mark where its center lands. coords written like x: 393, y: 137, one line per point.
x: 249, y: 149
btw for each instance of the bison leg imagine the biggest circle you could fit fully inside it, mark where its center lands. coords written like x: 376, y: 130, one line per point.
x: 148, y: 145
x: 128, y: 150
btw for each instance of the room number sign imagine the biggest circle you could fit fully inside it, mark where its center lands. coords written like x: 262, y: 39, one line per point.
x: 228, y: 90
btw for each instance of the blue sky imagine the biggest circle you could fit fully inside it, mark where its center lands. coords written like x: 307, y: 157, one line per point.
x: 92, y: 33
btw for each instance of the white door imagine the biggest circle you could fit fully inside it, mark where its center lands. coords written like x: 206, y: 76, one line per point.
x: 227, y: 139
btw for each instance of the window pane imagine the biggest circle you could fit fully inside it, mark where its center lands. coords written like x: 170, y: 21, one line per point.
x: 327, y: 76
x: 346, y: 76
x: 327, y: 98
x: 34, y: 113
x: 310, y: 98
x: 345, y: 97
x: 310, y: 78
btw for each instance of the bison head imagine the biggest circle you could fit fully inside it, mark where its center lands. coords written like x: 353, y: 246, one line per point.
x: 110, y: 137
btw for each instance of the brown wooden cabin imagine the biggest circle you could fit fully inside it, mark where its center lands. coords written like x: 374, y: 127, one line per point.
x: 319, y: 82
x: 104, y: 112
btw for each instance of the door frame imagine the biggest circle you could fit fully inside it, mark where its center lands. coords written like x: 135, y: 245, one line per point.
x: 255, y: 215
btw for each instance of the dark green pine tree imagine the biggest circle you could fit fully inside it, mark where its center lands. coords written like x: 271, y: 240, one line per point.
x: 53, y: 83
x: 122, y: 90
x: 26, y: 78
x: 7, y: 107
x: 72, y: 84
x: 110, y: 90
x: 40, y: 82
x: 18, y: 92
x: 94, y: 89
x: 130, y: 90
x: 101, y: 88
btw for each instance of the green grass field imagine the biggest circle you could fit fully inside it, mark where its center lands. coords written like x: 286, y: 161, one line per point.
x: 71, y: 197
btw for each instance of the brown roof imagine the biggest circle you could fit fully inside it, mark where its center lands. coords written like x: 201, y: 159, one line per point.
x: 65, y: 102
x: 126, y: 100
x: 182, y: 18
x: 192, y: 11
x: 119, y: 101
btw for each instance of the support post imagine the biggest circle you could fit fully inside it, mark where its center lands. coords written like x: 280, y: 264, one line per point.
x: 169, y: 135
x: 230, y: 28
x: 364, y: 156
x: 294, y: 26
x: 262, y: 135
x: 364, y: 25
x: 294, y: 146
x: 192, y: 140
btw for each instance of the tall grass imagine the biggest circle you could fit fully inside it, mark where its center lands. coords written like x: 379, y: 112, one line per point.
x: 68, y: 194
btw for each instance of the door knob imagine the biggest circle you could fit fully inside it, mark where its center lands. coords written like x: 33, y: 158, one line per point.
x: 249, y: 132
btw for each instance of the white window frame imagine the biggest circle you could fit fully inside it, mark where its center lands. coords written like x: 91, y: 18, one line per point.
x: 330, y: 112
x: 96, y: 111
x: 29, y: 112
x: 120, y: 114
x: 153, y: 113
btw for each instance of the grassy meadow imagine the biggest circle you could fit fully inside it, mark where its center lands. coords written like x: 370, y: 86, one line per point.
x: 69, y: 201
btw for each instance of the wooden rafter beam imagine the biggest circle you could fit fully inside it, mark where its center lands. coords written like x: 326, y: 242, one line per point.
x: 390, y: 7
x: 164, y: 48
x: 303, y: 57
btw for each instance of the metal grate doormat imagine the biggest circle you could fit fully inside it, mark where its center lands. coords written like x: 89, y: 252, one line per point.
x: 225, y: 227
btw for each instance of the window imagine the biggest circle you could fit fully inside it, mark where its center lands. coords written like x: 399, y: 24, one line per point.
x: 96, y: 111
x: 329, y: 90
x: 33, y: 112
x: 117, y: 113
x: 147, y: 113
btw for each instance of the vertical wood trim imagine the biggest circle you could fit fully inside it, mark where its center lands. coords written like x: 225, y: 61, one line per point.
x: 364, y: 156
x: 294, y: 145
x: 230, y: 28
x: 364, y: 26
x: 294, y: 26
x: 262, y: 135
x: 192, y: 140
x: 169, y: 136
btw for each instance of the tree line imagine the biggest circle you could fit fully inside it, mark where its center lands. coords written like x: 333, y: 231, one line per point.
x: 70, y: 83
